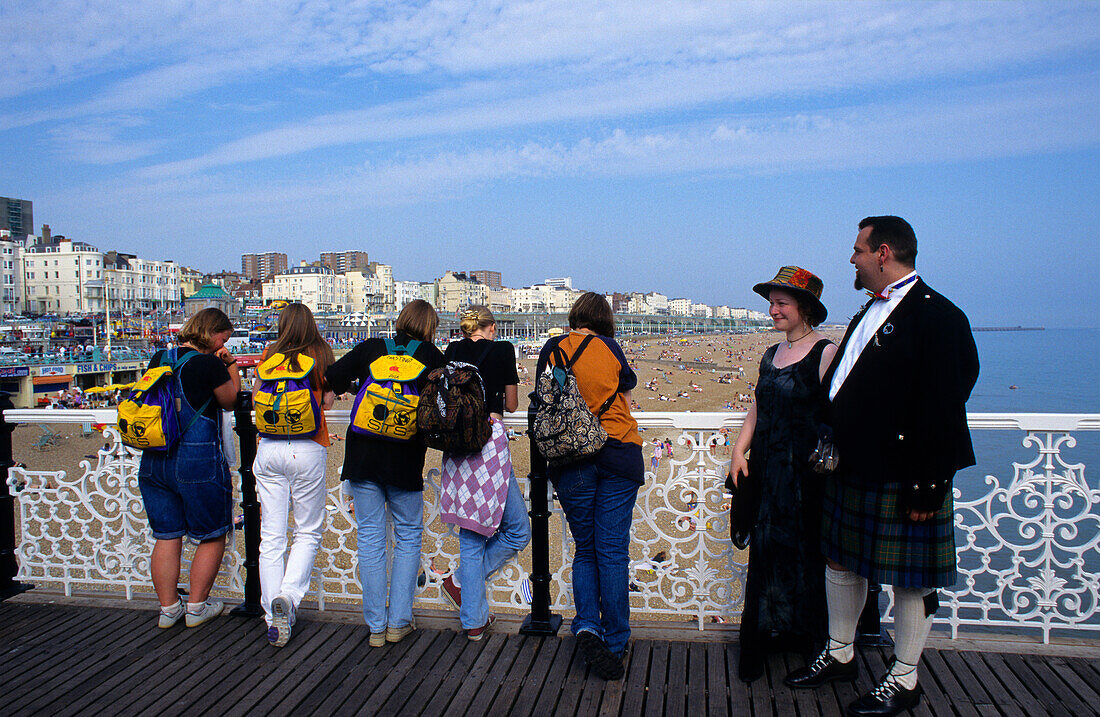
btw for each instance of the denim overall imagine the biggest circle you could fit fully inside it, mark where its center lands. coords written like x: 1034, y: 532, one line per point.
x: 187, y: 489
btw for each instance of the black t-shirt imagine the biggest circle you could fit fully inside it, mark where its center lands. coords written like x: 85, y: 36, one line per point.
x: 498, y: 368
x: 200, y: 376
x: 369, y: 458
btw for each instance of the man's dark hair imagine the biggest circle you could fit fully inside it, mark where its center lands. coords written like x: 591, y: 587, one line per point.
x: 591, y: 311
x: 895, y: 232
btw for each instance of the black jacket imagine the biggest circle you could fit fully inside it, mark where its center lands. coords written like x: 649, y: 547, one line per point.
x: 900, y: 415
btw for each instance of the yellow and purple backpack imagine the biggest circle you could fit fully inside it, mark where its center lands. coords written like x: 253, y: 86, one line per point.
x: 386, y: 404
x: 148, y: 418
x: 285, y: 405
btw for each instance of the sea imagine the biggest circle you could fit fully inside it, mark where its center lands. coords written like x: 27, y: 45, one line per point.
x: 1044, y: 371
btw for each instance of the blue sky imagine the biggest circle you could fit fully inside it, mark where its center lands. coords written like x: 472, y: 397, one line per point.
x: 690, y: 148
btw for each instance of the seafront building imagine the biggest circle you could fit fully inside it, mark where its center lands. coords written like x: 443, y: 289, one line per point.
x: 261, y: 267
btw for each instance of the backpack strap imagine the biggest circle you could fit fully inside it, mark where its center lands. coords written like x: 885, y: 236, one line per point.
x: 488, y: 348
x: 391, y: 346
x: 177, y: 364
x: 580, y: 349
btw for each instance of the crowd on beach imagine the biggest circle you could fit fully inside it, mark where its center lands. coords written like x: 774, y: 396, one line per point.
x: 819, y: 529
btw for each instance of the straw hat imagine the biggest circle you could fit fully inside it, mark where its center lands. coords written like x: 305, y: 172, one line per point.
x: 803, y: 284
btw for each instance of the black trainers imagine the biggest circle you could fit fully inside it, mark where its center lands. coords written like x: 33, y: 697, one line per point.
x: 599, y: 658
x: 825, y: 668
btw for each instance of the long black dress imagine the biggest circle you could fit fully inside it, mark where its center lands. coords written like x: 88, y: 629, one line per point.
x: 778, y: 509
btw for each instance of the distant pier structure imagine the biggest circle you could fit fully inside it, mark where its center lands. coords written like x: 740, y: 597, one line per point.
x: 1008, y: 328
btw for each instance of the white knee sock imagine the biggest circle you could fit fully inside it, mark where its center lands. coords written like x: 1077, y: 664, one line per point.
x: 845, y: 593
x: 911, y: 628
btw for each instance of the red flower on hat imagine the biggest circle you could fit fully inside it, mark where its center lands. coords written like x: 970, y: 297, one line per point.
x: 801, y: 278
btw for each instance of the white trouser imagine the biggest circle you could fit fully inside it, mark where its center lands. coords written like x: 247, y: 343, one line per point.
x: 289, y: 473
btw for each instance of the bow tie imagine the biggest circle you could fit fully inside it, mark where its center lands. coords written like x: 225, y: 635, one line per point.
x: 885, y: 297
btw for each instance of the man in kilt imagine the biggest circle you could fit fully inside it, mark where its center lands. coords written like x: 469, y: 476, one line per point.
x: 897, y: 392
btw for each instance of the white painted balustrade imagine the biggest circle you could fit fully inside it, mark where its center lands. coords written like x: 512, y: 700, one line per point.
x: 1028, y: 541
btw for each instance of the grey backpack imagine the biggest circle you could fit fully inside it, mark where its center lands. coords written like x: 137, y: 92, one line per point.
x: 565, y: 429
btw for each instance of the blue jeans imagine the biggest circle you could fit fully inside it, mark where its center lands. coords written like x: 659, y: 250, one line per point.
x: 407, y: 511
x: 187, y: 490
x: 599, y: 507
x: 480, y: 557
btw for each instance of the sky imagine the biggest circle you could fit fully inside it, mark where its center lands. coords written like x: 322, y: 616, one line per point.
x: 690, y: 148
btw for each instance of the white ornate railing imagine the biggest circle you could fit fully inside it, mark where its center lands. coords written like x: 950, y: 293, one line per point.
x: 1029, y: 545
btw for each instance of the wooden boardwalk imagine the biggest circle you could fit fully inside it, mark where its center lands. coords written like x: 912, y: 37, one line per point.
x: 65, y: 660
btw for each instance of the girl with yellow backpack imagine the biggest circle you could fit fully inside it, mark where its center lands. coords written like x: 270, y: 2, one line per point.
x: 290, y: 397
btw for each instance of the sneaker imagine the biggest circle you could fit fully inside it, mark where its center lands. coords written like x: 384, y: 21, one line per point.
x: 282, y: 612
x: 452, y: 592
x: 397, y: 634
x: 377, y: 639
x: 599, y: 658
x: 198, y: 613
x: 475, y: 634
x: 273, y: 636
x: 169, y: 616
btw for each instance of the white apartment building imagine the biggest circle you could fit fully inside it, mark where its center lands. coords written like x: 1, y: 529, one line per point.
x: 386, y: 285
x: 318, y: 287
x: 140, y: 285
x: 701, y: 310
x: 564, y: 282
x: 499, y: 300
x: 679, y: 307
x: 656, y: 303
x: 406, y: 291
x: 11, y: 273
x: 63, y: 279
x: 543, y: 298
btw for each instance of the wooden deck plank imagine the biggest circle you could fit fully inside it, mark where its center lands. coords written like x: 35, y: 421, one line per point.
x: 468, y: 687
x: 433, y: 680
x: 695, y: 678
x: 634, y: 684
x: 676, y: 680
x: 180, y: 645
x: 976, y: 678
x: 534, y: 681
x: 740, y: 696
x: 360, y: 691
x: 1046, y: 694
x: 717, y: 688
x: 102, y: 661
x: 954, y: 694
x: 32, y: 654
x: 658, y: 680
x: 236, y: 682
x: 573, y: 684
x: 294, y: 692
x: 345, y: 685
x: 509, y: 687
x: 783, y: 699
x: 1089, y: 673
x: 283, y: 676
x: 174, y: 667
x: 1053, y: 681
x: 1020, y: 694
x: 66, y: 660
x: 403, y: 679
x: 612, y: 698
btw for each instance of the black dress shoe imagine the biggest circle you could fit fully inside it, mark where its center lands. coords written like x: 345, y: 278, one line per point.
x: 825, y: 668
x: 886, y: 700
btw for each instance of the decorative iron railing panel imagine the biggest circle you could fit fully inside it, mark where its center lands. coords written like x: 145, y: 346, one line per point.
x: 1029, y: 543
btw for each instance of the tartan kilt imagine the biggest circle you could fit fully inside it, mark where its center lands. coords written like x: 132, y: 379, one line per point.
x: 862, y: 530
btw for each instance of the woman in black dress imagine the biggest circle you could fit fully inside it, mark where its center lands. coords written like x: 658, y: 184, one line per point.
x: 777, y: 506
